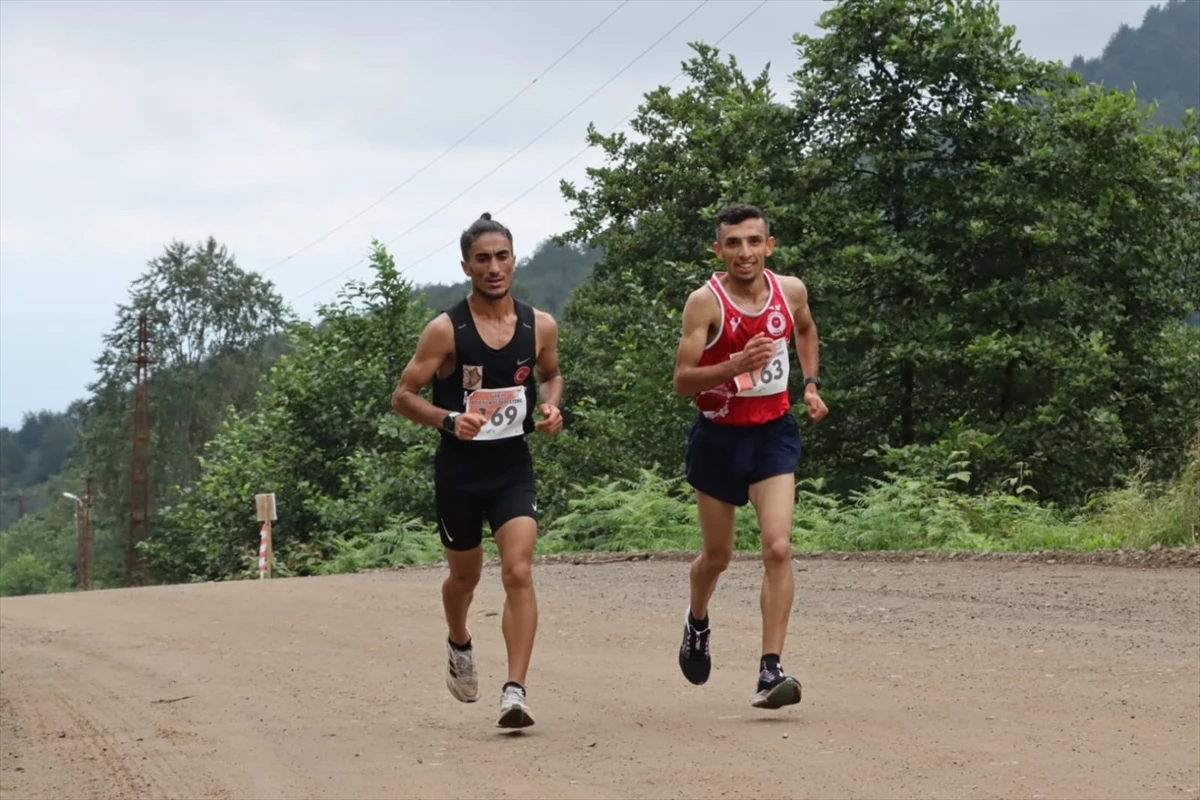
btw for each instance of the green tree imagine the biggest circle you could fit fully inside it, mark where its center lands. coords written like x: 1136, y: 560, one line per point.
x: 1030, y: 241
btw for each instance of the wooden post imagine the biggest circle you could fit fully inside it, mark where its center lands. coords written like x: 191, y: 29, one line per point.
x: 264, y: 505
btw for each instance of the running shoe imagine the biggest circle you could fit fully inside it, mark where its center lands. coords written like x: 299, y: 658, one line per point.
x: 461, y: 679
x: 775, y: 689
x: 694, y: 659
x: 514, y: 710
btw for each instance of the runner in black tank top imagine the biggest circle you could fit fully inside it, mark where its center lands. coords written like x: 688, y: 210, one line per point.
x: 493, y: 363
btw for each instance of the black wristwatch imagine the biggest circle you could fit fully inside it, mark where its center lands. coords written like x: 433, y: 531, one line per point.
x: 448, y: 422
x: 814, y: 380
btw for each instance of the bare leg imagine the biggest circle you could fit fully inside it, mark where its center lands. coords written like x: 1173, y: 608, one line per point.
x: 716, y: 530
x: 458, y: 590
x: 516, y: 540
x: 774, y: 499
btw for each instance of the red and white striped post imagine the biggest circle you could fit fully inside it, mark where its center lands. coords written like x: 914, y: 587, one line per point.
x: 263, y: 539
x: 265, y: 506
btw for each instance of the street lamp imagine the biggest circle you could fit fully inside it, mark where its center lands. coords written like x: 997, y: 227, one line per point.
x: 78, y: 538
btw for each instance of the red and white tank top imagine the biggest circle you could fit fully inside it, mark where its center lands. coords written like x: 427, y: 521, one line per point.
x: 754, y: 397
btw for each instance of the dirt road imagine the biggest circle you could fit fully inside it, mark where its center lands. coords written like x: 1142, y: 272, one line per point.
x: 953, y: 680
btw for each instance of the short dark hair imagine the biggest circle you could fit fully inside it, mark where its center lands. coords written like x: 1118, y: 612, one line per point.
x: 485, y: 224
x: 740, y: 212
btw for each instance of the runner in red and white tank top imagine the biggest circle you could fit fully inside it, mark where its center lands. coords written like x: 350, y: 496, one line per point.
x: 751, y: 398
x: 743, y: 446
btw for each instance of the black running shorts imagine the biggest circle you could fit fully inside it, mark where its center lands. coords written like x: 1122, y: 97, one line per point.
x: 468, y: 489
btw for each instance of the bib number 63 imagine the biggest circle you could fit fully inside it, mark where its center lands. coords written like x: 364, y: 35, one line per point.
x: 771, y: 379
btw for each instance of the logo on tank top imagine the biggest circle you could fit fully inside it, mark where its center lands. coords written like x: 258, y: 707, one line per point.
x: 520, y: 375
x: 472, y: 377
x: 775, y: 323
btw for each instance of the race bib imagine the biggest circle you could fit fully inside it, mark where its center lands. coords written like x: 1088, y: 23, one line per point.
x: 771, y: 379
x: 504, y: 410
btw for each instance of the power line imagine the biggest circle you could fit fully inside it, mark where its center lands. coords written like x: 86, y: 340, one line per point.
x: 570, y: 160
x: 447, y: 151
x: 497, y: 168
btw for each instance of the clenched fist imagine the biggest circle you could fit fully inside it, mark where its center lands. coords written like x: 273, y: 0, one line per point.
x: 466, y: 426
x: 551, y: 421
x: 755, y: 355
x: 816, y: 406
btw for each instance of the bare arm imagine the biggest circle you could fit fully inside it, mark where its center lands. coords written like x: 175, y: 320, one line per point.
x: 434, y: 346
x: 804, y: 330
x: 699, y: 313
x: 550, y: 381
x: 807, y: 346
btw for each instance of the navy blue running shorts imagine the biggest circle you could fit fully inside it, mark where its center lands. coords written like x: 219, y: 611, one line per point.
x: 723, y: 461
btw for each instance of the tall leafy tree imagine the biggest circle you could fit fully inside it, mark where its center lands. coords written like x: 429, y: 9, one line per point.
x: 1019, y: 247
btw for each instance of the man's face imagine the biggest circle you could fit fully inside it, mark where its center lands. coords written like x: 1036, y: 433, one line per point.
x: 489, y: 265
x: 744, y: 248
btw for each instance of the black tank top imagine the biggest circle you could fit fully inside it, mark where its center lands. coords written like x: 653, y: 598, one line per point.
x: 478, y: 366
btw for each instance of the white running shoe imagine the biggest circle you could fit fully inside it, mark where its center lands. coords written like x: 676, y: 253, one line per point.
x: 461, y: 679
x: 514, y: 711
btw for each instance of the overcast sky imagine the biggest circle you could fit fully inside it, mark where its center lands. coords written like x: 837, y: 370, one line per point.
x: 268, y: 124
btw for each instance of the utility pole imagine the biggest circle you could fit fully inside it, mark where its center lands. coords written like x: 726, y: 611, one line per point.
x: 139, y: 478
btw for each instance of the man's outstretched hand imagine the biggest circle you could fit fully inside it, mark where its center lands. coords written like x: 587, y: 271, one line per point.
x: 551, y: 421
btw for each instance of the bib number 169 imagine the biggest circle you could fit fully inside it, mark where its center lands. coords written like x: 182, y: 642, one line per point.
x: 504, y: 410
x: 505, y: 415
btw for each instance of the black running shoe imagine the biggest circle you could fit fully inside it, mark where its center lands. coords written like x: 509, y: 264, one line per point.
x: 776, y: 689
x: 694, y: 660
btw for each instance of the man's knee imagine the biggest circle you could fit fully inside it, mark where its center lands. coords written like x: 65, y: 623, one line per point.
x: 717, y: 523
x: 717, y: 556
x: 465, y: 579
x: 466, y: 567
x: 516, y: 539
x: 777, y: 550
x: 517, y: 575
